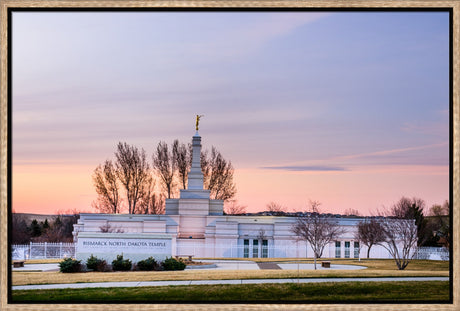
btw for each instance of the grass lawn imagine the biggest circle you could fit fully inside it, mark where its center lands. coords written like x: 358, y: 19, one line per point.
x: 375, y: 268
x: 372, y: 292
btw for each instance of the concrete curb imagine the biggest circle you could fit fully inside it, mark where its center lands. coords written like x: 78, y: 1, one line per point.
x: 201, y: 267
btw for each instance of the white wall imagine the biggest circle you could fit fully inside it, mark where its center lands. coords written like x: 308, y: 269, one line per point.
x: 223, y: 236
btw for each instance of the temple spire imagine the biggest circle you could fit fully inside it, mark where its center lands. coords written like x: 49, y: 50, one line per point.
x: 195, y: 200
x: 195, y: 176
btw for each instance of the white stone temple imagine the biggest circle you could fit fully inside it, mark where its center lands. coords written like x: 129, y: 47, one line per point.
x: 195, y: 225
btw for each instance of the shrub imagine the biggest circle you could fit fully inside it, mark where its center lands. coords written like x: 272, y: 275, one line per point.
x: 96, y: 264
x: 70, y: 265
x: 173, y: 264
x: 121, y: 264
x: 148, y: 264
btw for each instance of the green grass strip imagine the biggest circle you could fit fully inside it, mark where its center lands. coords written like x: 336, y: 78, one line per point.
x: 348, y: 292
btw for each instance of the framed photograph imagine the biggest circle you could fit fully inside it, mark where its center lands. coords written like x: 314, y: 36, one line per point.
x: 229, y: 155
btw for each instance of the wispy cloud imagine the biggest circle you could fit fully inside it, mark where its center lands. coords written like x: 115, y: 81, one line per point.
x: 251, y: 34
x: 430, y: 155
x: 305, y: 168
x: 389, y: 152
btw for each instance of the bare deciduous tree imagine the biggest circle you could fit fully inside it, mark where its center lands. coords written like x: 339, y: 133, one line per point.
x: 404, y: 208
x: 106, y: 184
x: 400, y: 239
x: 134, y: 173
x: 218, y: 175
x: 317, y: 229
x: 156, y: 204
x: 351, y: 212
x: 182, y: 158
x: 233, y: 208
x: 370, y: 232
x: 131, y: 171
x: 275, y: 207
x: 439, y: 210
x: 407, y: 208
x: 163, y: 162
x: 206, y: 169
x: 401, y: 230
x: 152, y: 202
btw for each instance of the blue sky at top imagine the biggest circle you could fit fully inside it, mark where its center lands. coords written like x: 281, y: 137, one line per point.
x: 306, y: 91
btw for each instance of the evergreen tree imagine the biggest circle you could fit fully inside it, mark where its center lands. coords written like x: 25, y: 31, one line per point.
x: 20, y: 233
x: 57, y: 222
x: 45, y: 225
x: 35, y: 228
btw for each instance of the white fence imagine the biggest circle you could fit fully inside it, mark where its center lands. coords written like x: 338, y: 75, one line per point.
x: 300, y: 251
x: 43, y: 251
x: 63, y: 250
x: 432, y: 253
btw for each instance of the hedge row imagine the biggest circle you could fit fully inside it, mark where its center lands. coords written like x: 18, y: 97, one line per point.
x: 70, y: 265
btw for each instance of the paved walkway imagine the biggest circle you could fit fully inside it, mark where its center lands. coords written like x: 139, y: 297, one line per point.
x: 250, y: 265
x: 45, y: 267
x: 310, y: 266
x: 220, y: 265
x: 268, y: 265
x: 214, y: 282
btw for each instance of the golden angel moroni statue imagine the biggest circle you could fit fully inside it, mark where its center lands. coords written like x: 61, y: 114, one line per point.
x: 198, y: 117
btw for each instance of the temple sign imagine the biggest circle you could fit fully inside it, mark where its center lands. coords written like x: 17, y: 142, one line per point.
x: 198, y: 117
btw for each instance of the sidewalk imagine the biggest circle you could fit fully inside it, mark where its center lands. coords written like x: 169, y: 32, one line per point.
x: 220, y: 265
x: 214, y: 282
x: 43, y: 267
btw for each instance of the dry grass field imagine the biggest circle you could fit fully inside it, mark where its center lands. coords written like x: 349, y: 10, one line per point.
x: 375, y: 268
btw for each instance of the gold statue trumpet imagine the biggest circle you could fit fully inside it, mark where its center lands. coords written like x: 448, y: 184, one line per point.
x: 198, y: 117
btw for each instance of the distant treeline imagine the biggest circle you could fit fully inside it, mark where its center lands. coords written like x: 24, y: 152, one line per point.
x: 58, y: 228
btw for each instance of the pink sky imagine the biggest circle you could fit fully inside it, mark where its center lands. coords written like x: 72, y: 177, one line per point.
x: 48, y: 189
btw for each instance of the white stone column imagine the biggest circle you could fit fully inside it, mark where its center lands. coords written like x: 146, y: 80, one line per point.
x: 195, y: 176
